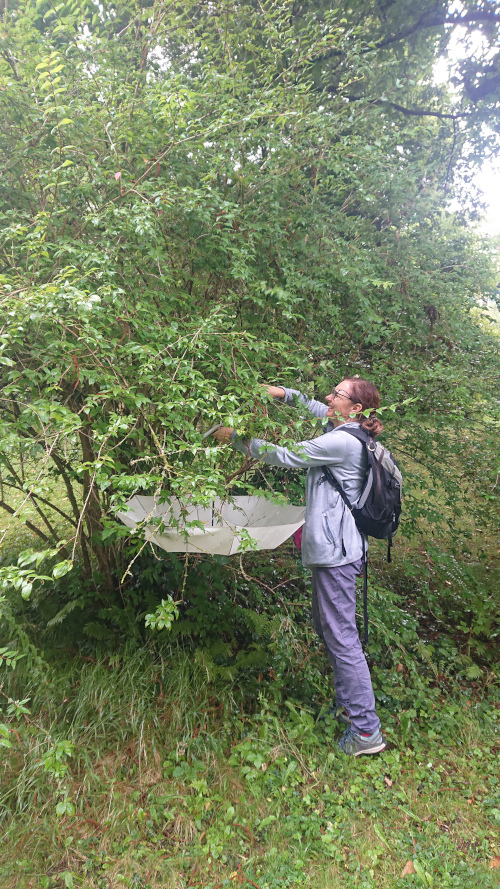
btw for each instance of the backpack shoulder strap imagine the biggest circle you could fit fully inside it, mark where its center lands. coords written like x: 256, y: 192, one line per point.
x: 363, y: 436
x: 336, y: 484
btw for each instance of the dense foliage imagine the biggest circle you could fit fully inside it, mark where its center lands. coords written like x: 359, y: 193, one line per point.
x: 198, y: 199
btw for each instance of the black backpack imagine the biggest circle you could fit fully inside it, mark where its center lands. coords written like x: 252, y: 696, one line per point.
x: 378, y: 508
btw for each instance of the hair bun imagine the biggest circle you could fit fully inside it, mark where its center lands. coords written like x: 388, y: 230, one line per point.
x: 372, y: 424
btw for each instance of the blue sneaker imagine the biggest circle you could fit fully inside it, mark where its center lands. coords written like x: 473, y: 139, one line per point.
x: 355, y: 744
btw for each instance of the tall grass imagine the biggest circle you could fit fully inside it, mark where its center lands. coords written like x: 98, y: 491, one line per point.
x: 141, y: 771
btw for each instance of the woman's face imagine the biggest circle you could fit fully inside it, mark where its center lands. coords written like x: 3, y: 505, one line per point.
x: 340, y: 402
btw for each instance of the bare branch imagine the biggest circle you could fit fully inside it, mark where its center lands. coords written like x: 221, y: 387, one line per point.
x: 411, y: 112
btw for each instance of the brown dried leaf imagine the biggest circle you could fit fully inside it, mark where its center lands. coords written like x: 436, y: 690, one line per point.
x: 399, y: 668
x: 495, y: 862
x: 388, y: 781
x: 408, y: 869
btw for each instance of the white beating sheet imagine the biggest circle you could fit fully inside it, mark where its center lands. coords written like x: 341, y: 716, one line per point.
x: 268, y: 523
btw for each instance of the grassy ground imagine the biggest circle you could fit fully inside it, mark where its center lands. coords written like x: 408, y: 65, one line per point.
x: 139, y: 772
x: 144, y: 769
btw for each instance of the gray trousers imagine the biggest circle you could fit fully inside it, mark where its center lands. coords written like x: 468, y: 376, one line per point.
x: 333, y: 612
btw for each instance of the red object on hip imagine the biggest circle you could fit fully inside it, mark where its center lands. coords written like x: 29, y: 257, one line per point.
x: 297, y: 537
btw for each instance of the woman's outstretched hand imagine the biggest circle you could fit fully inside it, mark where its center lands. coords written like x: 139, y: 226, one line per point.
x: 223, y: 434
x: 274, y: 391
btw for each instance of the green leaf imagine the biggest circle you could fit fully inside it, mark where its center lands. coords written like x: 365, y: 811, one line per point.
x: 62, y: 568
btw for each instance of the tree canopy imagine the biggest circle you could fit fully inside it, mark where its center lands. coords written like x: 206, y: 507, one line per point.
x: 198, y: 198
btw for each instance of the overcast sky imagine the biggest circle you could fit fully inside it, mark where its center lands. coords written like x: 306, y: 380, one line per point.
x: 488, y: 179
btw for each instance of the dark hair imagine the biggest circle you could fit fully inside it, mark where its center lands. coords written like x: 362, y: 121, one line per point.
x: 368, y: 395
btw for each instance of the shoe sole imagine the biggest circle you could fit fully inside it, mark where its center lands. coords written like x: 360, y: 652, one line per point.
x: 377, y: 748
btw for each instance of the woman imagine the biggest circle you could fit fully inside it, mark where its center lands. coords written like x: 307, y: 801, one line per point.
x: 332, y: 546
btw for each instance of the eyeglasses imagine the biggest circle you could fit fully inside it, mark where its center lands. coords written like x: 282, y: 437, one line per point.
x: 338, y: 394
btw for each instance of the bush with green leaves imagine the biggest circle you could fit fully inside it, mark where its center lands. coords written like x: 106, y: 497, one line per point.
x: 195, y: 203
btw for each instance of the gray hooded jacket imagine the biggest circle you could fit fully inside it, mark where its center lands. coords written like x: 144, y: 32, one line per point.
x: 330, y: 536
